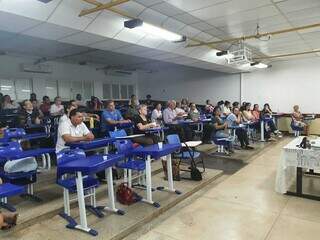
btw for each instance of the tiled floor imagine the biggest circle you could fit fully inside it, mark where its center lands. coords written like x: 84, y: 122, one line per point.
x: 244, y: 206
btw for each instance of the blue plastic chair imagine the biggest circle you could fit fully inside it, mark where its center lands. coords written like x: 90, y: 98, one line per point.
x: 296, y: 129
x: 186, y: 153
x: 130, y: 164
x: 221, y: 144
x: 68, y: 183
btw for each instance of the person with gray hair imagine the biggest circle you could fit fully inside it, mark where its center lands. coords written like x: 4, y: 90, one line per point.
x: 142, y: 123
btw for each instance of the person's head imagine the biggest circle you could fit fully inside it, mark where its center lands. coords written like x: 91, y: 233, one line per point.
x: 235, y: 104
x: 78, y: 97
x: 266, y: 106
x: 178, y: 104
x: 57, y: 100
x: 227, y: 103
x: 296, y: 108
x: 217, y: 111
x: 236, y: 111
x: 247, y: 106
x: 110, y: 105
x: 143, y: 109
x: 255, y: 107
x: 193, y: 106
x: 76, y: 117
x: 220, y: 103
x: 184, y: 101
x: 33, y: 97
x: 6, y: 99
x: 148, y: 97
x: 73, y: 103
x: 158, y: 106
x: 208, y: 102
x: 71, y: 106
x: 172, y: 104
x: 27, y: 105
x: 46, y: 99
x: 244, y: 104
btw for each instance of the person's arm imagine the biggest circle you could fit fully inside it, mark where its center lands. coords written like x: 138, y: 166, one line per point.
x: 142, y: 127
x: 87, y: 135
x: 238, y: 119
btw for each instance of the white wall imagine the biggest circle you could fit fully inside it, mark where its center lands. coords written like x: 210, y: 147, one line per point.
x: 285, y: 84
x: 195, y: 84
x: 10, y: 68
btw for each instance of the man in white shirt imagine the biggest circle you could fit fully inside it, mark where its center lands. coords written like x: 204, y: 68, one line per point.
x: 73, y: 130
x: 57, y: 108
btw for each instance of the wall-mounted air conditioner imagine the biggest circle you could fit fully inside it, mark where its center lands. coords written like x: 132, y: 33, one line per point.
x: 36, y: 68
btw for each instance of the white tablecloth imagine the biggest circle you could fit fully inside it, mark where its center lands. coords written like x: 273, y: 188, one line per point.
x: 293, y: 157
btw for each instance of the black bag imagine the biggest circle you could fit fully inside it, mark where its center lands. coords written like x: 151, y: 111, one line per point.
x: 195, y: 173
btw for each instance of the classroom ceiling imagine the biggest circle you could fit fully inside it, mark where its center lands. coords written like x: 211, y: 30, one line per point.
x: 66, y: 34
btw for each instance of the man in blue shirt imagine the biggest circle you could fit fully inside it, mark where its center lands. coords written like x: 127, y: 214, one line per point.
x: 110, y: 118
x: 234, y: 119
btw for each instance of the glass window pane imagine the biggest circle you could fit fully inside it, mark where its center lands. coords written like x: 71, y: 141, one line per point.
x: 130, y: 90
x: 106, y: 91
x: 88, y: 90
x: 7, y: 88
x: 124, y: 92
x: 23, y: 88
x: 76, y: 88
x: 64, y: 87
x: 115, y: 91
x: 51, y: 89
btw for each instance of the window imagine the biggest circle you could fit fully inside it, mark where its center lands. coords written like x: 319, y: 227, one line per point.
x: 64, y: 88
x: 88, y: 89
x: 7, y: 88
x: 130, y: 90
x: 76, y: 87
x: 115, y: 91
x: 124, y: 92
x: 23, y: 89
x: 51, y: 88
x: 106, y: 91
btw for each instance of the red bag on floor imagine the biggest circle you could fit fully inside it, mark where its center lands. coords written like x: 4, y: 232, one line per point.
x: 126, y: 196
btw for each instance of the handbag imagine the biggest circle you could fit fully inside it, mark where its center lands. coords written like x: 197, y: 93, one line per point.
x: 126, y: 196
x: 175, y: 169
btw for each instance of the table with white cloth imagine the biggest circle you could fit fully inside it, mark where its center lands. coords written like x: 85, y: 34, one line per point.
x: 292, y: 162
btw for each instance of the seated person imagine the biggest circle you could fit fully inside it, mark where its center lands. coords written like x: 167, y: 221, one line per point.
x: 298, y: 120
x: 29, y: 117
x: 110, y: 118
x: 57, y: 108
x: 171, y: 117
x: 95, y: 104
x: 247, y: 114
x: 220, y: 128
x: 141, y: 124
x: 149, y: 101
x: 184, y: 105
x: 132, y: 111
x: 45, y: 106
x: 209, y: 107
x: 220, y: 104
x: 79, y: 101
x: 134, y: 100
x: 65, y: 117
x: 34, y: 101
x: 256, y: 112
x: 226, y: 108
x: 234, y: 119
x: 270, y: 125
x: 236, y: 105
x: 194, y: 115
x: 8, y: 103
x: 7, y: 220
x: 156, y: 115
x: 72, y: 131
x: 179, y: 109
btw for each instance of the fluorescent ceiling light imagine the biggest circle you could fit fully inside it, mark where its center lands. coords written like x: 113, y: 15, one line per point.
x: 147, y: 28
x: 259, y: 65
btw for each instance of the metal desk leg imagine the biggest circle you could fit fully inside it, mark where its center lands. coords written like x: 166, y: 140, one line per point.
x: 262, y: 131
x: 112, y: 206
x: 170, y: 177
x: 106, y: 149
x: 82, y: 208
x: 149, y: 184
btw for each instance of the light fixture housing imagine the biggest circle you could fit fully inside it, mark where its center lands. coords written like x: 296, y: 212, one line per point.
x: 45, y: 1
x: 225, y: 54
x: 259, y: 65
x: 153, y: 30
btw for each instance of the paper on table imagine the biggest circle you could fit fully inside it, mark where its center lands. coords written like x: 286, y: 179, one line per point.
x: 191, y: 143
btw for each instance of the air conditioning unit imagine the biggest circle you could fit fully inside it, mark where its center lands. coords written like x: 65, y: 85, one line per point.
x: 36, y: 68
x: 241, y: 56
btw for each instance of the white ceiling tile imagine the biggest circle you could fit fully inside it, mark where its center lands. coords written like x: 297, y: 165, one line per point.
x: 166, y: 9
x: 131, y: 8
x: 150, y: 41
x: 49, y: 31
x: 205, y: 37
x: 215, y: 32
x: 182, y: 50
x: 304, y: 14
x: 5, y: 36
x: 109, y: 44
x: 130, y: 35
x: 169, y: 46
x: 295, y: 5
x: 186, y: 18
x: 29, y: 8
x: 83, y: 39
x: 149, y: 53
x: 67, y: 14
x: 131, y: 49
x: 228, y: 8
x: 153, y: 17
x: 189, y: 31
x: 202, y: 26
x: 15, y: 23
x: 189, y: 5
x: 164, y: 56
x: 306, y: 21
x: 107, y: 24
x: 173, y: 24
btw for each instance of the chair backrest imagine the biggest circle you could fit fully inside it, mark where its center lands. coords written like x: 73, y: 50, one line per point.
x: 10, y: 133
x: 117, y: 133
x: 173, y: 139
x: 68, y: 155
x: 8, y: 148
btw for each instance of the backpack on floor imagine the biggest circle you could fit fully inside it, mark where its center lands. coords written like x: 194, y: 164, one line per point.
x: 126, y: 196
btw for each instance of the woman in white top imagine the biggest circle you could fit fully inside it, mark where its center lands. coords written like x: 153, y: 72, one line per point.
x: 57, y: 108
x: 156, y: 115
x: 70, y: 107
